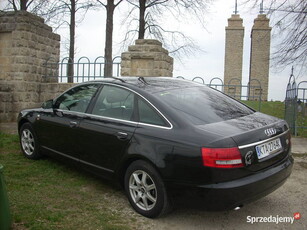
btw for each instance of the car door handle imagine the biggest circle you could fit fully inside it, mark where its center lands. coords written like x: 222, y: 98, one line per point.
x: 122, y: 135
x: 73, y: 124
x: 58, y: 113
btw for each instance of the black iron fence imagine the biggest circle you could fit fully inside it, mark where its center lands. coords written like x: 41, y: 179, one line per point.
x: 296, y: 106
x: 84, y: 69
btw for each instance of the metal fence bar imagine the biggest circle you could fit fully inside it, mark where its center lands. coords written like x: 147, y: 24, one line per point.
x: 117, y: 61
x: 296, y: 105
x: 236, y: 89
x: 301, y: 107
x: 84, y: 69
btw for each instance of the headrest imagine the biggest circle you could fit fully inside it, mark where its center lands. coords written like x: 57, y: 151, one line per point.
x: 116, y: 95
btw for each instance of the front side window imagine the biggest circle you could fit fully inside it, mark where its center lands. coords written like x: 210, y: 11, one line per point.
x: 114, y: 102
x: 76, y: 99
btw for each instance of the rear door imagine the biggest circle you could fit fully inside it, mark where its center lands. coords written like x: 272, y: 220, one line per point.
x: 108, y: 129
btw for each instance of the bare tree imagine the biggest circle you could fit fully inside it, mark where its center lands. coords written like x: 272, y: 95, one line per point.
x: 150, y: 22
x: 57, y: 12
x: 21, y: 4
x: 32, y: 6
x: 289, y: 19
x: 110, y: 6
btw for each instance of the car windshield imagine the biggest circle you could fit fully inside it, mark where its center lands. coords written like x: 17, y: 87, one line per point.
x: 202, y: 105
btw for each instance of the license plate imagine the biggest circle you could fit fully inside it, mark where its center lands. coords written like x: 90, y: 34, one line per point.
x: 268, y: 148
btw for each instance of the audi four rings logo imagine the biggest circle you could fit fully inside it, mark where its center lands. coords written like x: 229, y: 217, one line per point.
x: 270, y: 131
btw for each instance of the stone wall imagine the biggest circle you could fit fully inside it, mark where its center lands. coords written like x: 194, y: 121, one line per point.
x: 52, y: 90
x: 260, y: 55
x: 25, y: 45
x: 147, y: 58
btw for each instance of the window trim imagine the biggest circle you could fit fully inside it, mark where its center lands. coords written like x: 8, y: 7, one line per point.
x: 154, y: 107
x: 94, y: 99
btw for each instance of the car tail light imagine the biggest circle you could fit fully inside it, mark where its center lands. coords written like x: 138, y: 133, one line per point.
x: 222, y: 157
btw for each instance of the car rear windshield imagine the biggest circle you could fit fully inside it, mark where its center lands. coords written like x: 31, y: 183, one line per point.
x: 203, y: 105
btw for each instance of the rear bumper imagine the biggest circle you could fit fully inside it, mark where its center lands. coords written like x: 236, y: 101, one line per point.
x: 228, y: 195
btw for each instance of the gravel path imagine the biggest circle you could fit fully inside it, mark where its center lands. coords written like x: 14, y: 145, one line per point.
x: 284, y: 202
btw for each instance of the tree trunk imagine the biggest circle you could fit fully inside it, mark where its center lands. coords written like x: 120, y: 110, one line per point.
x: 142, y: 19
x: 23, y: 5
x: 72, y: 26
x: 108, y: 66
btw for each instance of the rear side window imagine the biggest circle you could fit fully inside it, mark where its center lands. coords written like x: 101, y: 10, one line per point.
x: 148, y: 115
x: 203, y: 105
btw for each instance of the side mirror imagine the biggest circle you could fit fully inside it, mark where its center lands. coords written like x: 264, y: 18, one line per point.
x: 48, y: 104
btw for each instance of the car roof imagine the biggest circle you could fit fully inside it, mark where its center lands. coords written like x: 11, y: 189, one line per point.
x: 150, y: 84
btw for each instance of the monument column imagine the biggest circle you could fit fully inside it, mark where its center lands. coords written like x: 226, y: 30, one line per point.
x: 26, y: 42
x: 233, y: 56
x: 260, y: 57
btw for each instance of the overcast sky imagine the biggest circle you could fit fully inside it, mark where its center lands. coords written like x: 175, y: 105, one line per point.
x: 207, y: 64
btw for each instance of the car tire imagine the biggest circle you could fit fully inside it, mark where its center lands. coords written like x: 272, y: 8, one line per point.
x: 28, y: 142
x: 145, y: 190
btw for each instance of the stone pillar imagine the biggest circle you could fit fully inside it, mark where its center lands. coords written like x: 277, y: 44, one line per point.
x: 233, y: 56
x: 25, y: 45
x: 147, y: 58
x: 260, y: 57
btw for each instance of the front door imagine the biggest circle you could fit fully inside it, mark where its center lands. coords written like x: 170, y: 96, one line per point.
x: 58, y: 130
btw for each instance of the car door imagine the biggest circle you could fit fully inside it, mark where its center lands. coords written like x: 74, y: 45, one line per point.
x: 108, y: 129
x: 58, y: 127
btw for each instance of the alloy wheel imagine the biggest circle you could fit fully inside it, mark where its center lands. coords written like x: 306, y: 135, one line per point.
x: 27, y: 142
x: 143, y: 190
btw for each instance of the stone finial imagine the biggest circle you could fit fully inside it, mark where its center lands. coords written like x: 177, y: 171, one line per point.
x: 262, y: 23
x: 147, y: 58
x: 235, y: 22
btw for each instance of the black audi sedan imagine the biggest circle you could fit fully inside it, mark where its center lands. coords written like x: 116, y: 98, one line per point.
x: 158, y: 137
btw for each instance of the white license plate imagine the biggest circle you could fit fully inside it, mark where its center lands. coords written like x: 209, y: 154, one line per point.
x: 268, y: 148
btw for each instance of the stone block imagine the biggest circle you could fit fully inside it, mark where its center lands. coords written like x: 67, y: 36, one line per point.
x: 126, y: 64
x: 5, y: 97
x: 148, y: 42
x: 125, y: 71
x: 125, y: 56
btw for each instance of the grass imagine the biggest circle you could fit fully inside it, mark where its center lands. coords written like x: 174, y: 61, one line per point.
x: 273, y: 108
x: 277, y: 109
x: 46, y: 194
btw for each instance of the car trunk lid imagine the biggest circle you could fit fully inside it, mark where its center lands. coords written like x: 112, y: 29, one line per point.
x: 263, y: 140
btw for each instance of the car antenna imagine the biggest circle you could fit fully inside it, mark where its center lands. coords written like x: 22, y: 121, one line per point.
x: 117, y: 78
x: 142, y: 79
